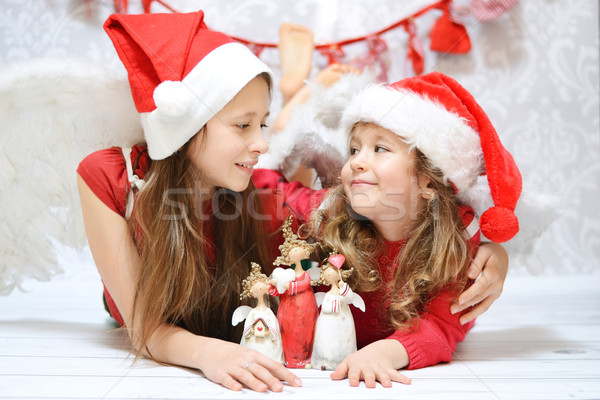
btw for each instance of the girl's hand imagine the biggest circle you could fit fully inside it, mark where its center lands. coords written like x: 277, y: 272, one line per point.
x: 377, y: 362
x: 491, y: 266
x: 233, y: 366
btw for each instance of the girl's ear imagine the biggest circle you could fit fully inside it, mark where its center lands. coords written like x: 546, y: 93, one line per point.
x: 426, y: 187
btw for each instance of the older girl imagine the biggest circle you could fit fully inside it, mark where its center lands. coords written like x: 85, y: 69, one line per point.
x: 174, y: 237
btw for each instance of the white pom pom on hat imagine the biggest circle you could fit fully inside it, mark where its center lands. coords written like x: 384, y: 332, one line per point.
x: 173, y: 99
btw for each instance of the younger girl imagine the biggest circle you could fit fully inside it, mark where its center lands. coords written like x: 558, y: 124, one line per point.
x: 424, y: 160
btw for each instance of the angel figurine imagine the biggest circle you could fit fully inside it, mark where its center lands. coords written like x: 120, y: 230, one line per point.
x: 298, y: 311
x: 335, y: 335
x: 261, y: 330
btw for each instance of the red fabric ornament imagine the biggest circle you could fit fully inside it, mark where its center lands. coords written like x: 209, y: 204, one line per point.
x: 334, y: 53
x: 488, y: 10
x: 377, y: 49
x: 449, y: 36
x: 415, y: 53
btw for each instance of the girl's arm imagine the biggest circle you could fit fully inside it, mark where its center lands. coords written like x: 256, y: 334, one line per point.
x: 117, y: 261
x: 431, y: 340
x: 489, y: 267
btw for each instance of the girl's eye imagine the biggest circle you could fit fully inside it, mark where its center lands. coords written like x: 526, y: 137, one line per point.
x: 380, y: 149
x: 264, y: 126
x: 242, y: 126
x: 353, y: 151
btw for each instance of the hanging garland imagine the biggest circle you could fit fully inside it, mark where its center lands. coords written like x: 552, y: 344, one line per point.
x: 448, y: 35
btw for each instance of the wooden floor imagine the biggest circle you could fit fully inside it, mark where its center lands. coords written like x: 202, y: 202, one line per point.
x: 541, y: 340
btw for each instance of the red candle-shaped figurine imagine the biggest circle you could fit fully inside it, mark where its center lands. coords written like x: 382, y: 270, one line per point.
x: 297, y: 312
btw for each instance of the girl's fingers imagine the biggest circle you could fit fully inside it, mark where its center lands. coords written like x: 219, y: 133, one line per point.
x: 281, y: 373
x: 354, y: 376
x: 265, y: 376
x: 396, y: 376
x: 369, y: 378
x: 231, y: 383
x: 384, y: 379
x: 477, y: 311
x: 247, y: 378
x: 340, y: 372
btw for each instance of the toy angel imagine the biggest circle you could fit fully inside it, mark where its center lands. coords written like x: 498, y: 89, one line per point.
x: 298, y: 311
x: 261, y: 330
x: 335, y: 335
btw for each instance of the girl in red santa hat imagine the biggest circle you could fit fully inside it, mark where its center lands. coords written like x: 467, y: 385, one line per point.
x: 425, y: 174
x: 172, y: 223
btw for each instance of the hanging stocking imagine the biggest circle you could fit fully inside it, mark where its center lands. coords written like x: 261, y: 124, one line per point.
x: 488, y: 10
x: 415, y: 54
x: 333, y: 53
x: 120, y: 6
x: 448, y: 35
x: 376, y: 55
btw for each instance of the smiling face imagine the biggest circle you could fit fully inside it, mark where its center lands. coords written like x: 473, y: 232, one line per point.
x: 227, y: 148
x: 378, y: 177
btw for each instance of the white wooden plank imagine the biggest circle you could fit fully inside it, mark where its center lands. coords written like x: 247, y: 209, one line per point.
x: 516, y: 350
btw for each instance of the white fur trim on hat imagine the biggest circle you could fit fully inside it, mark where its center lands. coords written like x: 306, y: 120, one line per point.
x: 183, y: 108
x: 444, y: 137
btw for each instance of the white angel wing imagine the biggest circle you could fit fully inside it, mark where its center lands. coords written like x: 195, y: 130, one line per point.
x: 358, y: 302
x: 53, y: 112
x: 314, y: 272
x: 319, y: 296
x: 240, y: 314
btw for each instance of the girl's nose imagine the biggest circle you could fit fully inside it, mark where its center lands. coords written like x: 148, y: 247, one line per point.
x: 259, y: 143
x: 359, y: 162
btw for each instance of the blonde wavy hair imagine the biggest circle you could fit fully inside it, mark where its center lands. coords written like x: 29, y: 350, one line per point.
x: 436, y: 255
x: 291, y: 241
x: 255, y: 276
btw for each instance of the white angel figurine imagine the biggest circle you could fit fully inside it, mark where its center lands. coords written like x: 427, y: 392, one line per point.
x: 261, y: 329
x: 335, y: 334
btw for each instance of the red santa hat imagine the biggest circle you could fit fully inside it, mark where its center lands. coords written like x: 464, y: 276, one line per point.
x: 435, y: 114
x: 181, y: 73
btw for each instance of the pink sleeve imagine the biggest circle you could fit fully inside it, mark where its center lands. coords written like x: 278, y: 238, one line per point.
x: 105, y: 173
x: 301, y: 201
x: 273, y: 291
x: 436, y: 334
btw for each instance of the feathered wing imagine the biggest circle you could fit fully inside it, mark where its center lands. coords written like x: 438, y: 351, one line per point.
x: 358, y: 302
x: 240, y: 314
x: 53, y: 113
x: 319, y: 297
x: 314, y: 136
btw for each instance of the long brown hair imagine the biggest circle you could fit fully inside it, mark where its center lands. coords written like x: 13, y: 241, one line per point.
x: 177, y: 281
x: 435, y: 255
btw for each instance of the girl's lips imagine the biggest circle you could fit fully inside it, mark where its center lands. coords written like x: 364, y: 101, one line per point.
x: 358, y: 182
x: 246, y: 167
